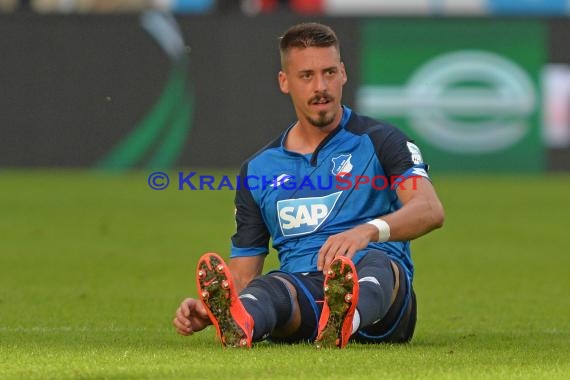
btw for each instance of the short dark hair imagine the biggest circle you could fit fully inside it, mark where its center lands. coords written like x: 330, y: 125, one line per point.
x: 305, y: 35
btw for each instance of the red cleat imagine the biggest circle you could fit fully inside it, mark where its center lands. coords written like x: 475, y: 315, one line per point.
x: 215, y: 286
x: 341, y: 297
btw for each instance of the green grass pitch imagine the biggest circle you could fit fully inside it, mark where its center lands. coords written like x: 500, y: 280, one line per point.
x: 93, y: 266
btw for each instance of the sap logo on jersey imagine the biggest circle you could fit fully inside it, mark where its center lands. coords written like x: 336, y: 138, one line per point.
x: 304, y: 215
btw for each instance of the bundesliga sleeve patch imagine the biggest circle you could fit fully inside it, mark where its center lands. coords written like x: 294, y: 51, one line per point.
x: 417, y: 171
x: 415, y: 153
x: 421, y: 172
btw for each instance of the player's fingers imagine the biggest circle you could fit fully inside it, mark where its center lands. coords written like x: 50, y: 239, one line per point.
x: 320, y: 260
x: 322, y: 254
x: 185, y: 306
x: 196, y: 309
x: 200, y: 311
x: 184, y: 331
x: 176, y: 323
x: 343, y: 248
x: 334, y: 250
x: 181, y: 328
x: 329, y: 255
x: 182, y: 320
x: 180, y: 315
x: 349, y: 247
x: 351, y: 251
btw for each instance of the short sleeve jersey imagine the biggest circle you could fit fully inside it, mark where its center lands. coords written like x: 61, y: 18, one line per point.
x: 299, y: 200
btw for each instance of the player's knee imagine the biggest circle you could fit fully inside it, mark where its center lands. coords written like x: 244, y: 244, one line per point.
x: 272, y: 289
x: 268, y: 284
x: 277, y: 291
x: 375, y: 261
x: 376, y: 267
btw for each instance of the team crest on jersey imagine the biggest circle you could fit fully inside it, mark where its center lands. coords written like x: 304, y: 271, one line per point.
x: 304, y: 215
x: 341, y: 164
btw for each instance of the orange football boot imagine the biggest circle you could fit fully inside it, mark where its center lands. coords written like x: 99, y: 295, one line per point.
x: 215, y: 286
x: 341, y: 297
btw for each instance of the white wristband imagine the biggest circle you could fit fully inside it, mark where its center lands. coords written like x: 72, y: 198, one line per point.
x: 383, y: 229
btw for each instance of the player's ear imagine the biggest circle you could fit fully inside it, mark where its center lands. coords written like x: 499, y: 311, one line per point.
x: 283, y: 82
x: 343, y: 73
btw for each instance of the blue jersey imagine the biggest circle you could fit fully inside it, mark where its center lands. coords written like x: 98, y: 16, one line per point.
x: 300, y: 200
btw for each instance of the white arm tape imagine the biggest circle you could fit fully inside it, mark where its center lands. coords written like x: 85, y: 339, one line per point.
x: 383, y: 229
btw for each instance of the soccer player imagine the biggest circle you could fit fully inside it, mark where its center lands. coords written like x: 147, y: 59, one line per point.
x: 348, y: 195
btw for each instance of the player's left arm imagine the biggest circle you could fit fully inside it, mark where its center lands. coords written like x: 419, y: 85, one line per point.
x: 421, y: 211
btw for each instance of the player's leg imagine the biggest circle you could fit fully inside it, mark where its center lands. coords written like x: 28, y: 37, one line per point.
x: 283, y: 306
x: 369, y: 297
x: 387, y: 304
x: 272, y: 304
x: 378, y: 287
x: 308, y: 290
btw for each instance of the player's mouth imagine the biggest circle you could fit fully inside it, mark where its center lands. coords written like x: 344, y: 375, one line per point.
x: 321, y: 101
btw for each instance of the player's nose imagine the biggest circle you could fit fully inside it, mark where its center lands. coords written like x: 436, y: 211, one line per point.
x: 320, y: 83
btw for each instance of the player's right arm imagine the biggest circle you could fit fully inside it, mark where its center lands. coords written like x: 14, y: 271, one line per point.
x: 249, y: 248
x: 245, y: 269
x: 251, y: 240
x: 191, y: 315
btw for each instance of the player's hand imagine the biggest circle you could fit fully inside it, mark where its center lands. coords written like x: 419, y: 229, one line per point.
x: 345, y: 244
x: 190, y: 317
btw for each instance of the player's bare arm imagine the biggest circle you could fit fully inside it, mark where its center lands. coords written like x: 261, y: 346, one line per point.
x: 245, y: 269
x: 421, y: 213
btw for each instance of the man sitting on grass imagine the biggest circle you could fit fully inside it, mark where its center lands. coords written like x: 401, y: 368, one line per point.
x: 348, y: 195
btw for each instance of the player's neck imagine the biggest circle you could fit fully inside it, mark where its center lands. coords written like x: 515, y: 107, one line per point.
x: 304, y: 138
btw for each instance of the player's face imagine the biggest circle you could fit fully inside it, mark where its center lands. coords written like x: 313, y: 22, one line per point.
x: 314, y: 77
